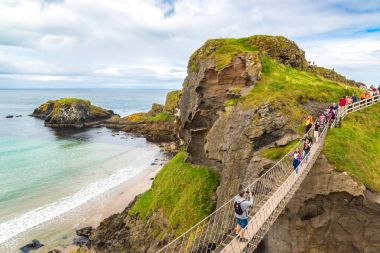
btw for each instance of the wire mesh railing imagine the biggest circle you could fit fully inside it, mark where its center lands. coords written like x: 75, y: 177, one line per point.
x: 271, y: 192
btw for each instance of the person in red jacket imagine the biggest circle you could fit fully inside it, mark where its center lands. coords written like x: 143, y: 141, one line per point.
x: 342, y: 102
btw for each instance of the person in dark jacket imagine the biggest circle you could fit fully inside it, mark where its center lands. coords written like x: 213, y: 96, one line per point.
x: 354, y: 98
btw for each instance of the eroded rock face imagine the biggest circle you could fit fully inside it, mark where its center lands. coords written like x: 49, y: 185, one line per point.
x: 330, y: 213
x: 235, y: 141
x: 204, y: 95
x: 127, y: 233
x: 281, y: 49
x: 229, y: 138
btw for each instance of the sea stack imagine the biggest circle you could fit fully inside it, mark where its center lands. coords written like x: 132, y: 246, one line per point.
x: 71, y: 112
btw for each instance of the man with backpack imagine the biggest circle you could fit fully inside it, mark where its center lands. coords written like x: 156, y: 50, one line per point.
x: 243, y: 202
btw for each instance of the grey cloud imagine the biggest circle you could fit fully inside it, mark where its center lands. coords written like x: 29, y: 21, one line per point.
x: 74, y: 38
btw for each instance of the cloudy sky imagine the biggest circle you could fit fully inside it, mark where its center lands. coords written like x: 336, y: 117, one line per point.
x: 147, y: 43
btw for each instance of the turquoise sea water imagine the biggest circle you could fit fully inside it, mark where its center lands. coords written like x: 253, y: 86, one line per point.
x: 45, y: 172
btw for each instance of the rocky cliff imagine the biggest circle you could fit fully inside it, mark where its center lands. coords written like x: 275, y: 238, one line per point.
x: 243, y: 97
x: 71, y: 112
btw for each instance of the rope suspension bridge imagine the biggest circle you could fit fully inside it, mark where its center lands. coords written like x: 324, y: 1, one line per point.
x: 271, y: 192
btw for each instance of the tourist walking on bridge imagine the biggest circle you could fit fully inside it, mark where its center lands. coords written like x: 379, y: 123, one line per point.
x: 308, y: 122
x: 297, y: 157
x: 342, y: 102
x: 242, y: 203
x: 306, y: 148
x: 317, y: 129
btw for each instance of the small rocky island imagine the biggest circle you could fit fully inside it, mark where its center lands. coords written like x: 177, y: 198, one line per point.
x: 159, y: 125
x: 71, y: 112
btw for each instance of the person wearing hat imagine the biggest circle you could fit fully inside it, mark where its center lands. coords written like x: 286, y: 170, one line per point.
x: 243, y: 202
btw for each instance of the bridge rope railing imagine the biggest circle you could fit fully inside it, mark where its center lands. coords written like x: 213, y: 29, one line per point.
x: 271, y: 192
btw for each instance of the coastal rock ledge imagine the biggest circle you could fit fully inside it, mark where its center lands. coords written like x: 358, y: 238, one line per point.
x: 71, y: 112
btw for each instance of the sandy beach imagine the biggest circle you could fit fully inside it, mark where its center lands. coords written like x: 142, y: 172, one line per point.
x: 59, y: 233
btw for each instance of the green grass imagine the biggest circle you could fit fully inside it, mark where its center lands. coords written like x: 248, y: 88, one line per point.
x: 330, y: 74
x: 355, y: 147
x: 162, y: 116
x: 220, y: 50
x: 278, y: 152
x: 182, y: 192
x: 144, y: 117
x: 171, y: 101
x: 288, y: 88
x: 97, y: 111
x: 231, y: 102
x: 72, y: 100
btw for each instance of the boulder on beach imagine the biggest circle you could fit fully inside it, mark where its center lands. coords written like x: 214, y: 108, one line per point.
x: 82, y: 241
x: 9, y: 116
x: 86, y: 231
x: 71, y: 112
x: 35, y: 244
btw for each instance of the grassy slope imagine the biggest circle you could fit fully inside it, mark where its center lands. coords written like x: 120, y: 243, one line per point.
x: 355, y: 147
x: 287, y: 88
x: 181, y: 191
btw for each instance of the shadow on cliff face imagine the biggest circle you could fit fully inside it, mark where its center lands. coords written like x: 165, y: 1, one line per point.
x: 311, y: 209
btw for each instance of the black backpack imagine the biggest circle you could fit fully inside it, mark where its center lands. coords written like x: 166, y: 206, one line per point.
x: 238, y: 209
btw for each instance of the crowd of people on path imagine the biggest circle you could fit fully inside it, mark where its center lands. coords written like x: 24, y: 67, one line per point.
x: 370, y: 92
x: 313, y: 130
x: 323, y: 121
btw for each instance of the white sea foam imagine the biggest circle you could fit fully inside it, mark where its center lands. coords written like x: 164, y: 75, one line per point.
x: 35, y: 217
